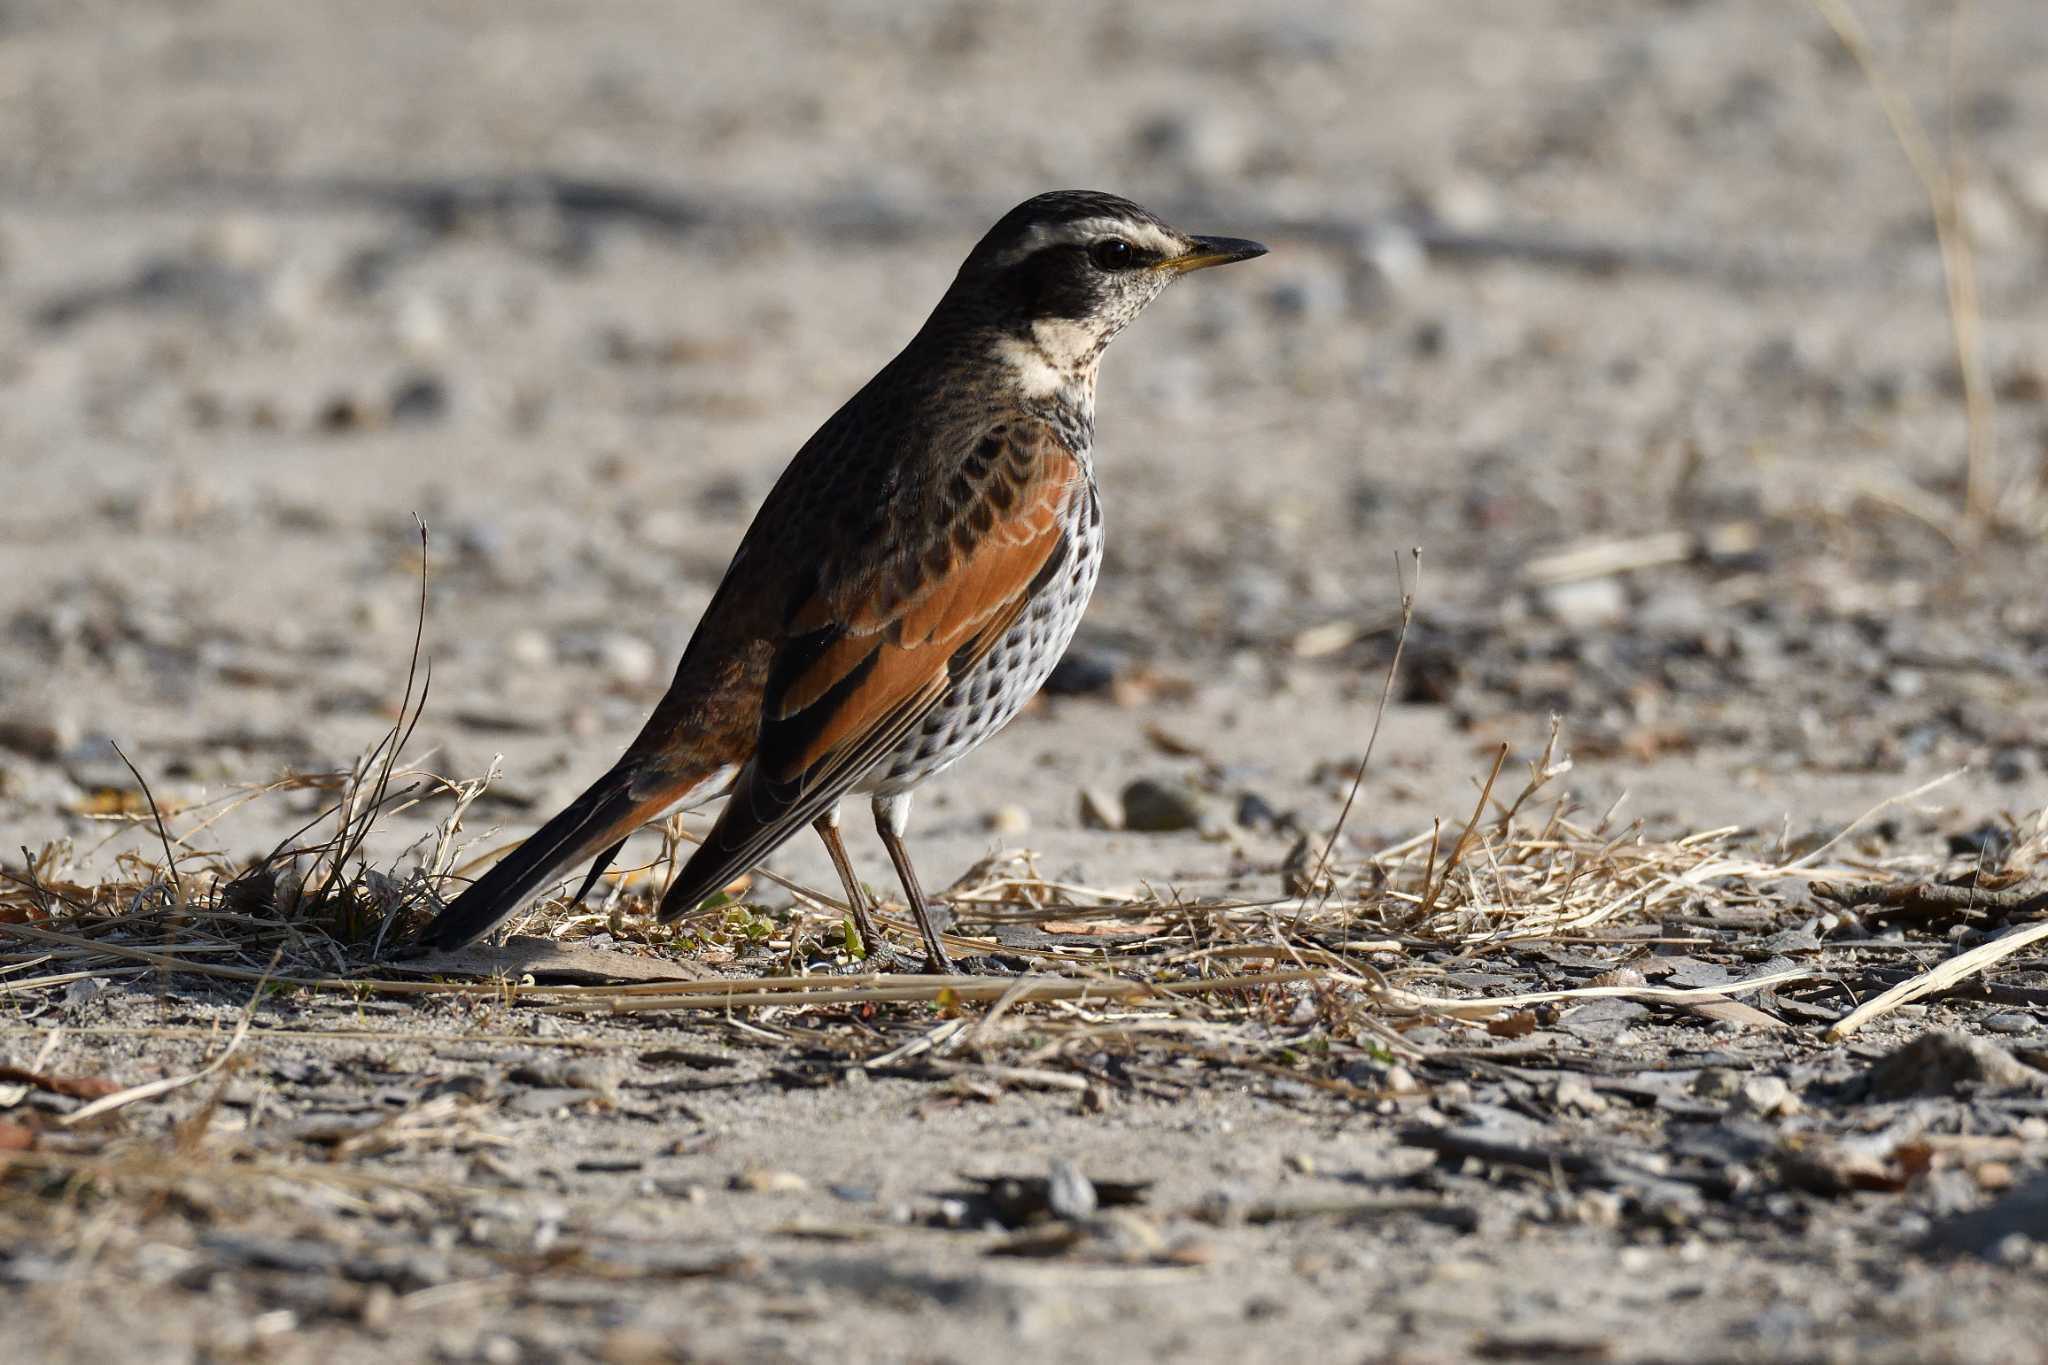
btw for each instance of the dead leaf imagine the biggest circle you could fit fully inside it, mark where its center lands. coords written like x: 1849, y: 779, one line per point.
x: 74, y: 1087
x: 1520, y: 1024
x: 1735, y: 1012
x: 1173, y: 745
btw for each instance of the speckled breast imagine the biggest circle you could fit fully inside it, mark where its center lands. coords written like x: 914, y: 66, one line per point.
x: 984, y: 700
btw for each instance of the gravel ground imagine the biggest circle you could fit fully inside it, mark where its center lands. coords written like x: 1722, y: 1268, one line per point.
x: 1632, y: 318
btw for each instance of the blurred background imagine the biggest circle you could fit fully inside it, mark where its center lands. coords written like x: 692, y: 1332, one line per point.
x: 1632, y: 316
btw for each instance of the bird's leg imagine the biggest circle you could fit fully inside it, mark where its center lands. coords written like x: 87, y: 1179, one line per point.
x: 871, y: 940
x: 892, y: 815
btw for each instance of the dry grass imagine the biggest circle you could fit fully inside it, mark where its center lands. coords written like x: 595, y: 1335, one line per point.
x: 1340, y: 949
x: 1353, y: 930
x: 1346, y: 955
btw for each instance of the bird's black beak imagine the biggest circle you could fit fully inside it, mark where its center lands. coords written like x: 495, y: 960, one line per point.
x: 1208, y: 251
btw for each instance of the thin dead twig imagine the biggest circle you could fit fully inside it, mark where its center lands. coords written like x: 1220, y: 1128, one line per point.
x: 1939, y: 978
x: 1408, y: 595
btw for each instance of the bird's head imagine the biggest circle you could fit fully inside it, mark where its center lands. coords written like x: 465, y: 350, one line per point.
x: 1061, y: 274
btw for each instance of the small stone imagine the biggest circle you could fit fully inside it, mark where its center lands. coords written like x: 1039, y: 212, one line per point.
x: 2010, y: 1021
x: 1676, y: 612
x: 665, y: 528
x: 1008, y: 820
x: 1301, y: 1163
x: 1392, y: 259
x: 2030, y: 186
x: 419, y: 398
x: 553, y: 1073
x: 374, y: 615
x: 1311, y: 292
x: 1256, y: 813
x: 348, y: 412
x: 1576, y: 1095
x: 377, y: 1307
x: 627, y: 659
x: 1765, y: 1097
x: 1069, y: 1193
x: 2012, y: 764
x: 38, y: 736
x: 1586, y: 603
x: 85, y: 991
x: 1942, y: 1062
x: 1155, y: 807
x: 1989, y: 216
x: 681, y: 1187
x: 767, y: 1180
x: 1466, y: 203
x: 1598, y: 1208
x: 547, y: 1102
x: 2023, y: 383
x: 421, y: 326
x: 1100, y: 809
x: 1083, y: 673
x: 479, y: 542
x: 1717, y: 1083
x: 466, y: 1086
x: 530, y: 648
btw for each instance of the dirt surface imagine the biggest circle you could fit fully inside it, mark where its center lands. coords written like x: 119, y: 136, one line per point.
x: 1631, y: 318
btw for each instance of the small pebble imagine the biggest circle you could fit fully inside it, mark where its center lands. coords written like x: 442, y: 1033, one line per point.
x: 1155, y: 807
x: 1766, y: 1097
x: 1069, y: 1193
x: 1256, y: 813
x: 530, y: 648
x: 627, y: 659
x: 1100, y: 809
x: 766, y: 1180
x: 419, y: 398
x: 1717, y: 1083
x: 1589, y: 602
x: 1393, y: 260
x: 1082, y: 673
x: 348, y: 412
x: 1576, y: 1094
x: 1008, y: 820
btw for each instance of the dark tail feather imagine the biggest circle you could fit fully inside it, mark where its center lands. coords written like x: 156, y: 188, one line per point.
x: 597, y: 869
x: 601, y: 818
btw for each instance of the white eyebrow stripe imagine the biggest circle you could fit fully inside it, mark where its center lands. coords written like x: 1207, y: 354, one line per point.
x: 1083, y: 230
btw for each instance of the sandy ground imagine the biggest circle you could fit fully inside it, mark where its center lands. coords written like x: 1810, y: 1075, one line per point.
x: 570, y: 284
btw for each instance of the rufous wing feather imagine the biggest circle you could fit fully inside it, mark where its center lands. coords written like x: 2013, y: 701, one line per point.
x: 871, y: 650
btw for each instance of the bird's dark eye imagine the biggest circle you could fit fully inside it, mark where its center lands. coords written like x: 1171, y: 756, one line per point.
x: 1113, y: 253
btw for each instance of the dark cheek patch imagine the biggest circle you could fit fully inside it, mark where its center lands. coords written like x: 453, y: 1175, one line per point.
x: 1064, y: 284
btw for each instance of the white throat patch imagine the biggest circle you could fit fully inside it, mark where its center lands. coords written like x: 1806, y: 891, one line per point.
x: 1061, y: 355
